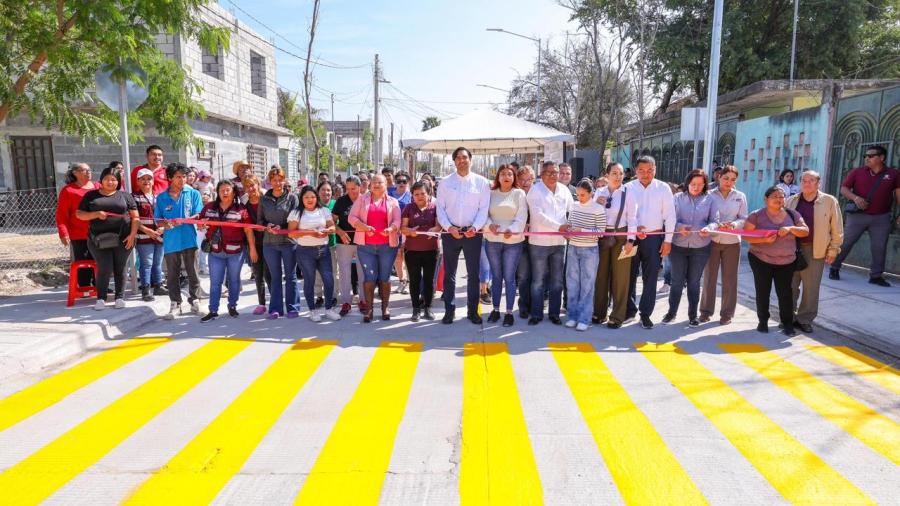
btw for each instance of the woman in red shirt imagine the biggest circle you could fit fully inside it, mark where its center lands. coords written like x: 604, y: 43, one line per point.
x: 376, y: 218
x: 72, y: 231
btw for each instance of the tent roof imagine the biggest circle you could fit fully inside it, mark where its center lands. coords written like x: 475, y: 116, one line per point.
x: 486, y: 132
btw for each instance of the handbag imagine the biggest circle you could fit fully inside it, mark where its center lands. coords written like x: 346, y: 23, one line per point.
x: 106, y: 240
x: 608, y: 241
x: 800, y: 261
x: 852, y: 208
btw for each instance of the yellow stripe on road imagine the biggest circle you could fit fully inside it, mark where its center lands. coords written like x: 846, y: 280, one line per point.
x: 352, y: 465
x: 792, y: 469
x: 199, y: 471
x: 643, y: 467
x: 862, y: 422
x: 48, y: 392
x: 864, y: 366
x: 35, y: 478
x: 497, y: 464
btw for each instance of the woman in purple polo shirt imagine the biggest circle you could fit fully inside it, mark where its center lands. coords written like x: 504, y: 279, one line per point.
x: 421, y: 250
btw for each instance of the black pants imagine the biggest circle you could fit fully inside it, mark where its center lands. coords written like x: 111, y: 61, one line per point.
x: 471, y: 250
x: 764, y: 274
x: 174, y: 262
x: 260, y: 273
x: 421, y: 266
x: 110, y: 262
x: 79, y: 251
x: 645, y: 264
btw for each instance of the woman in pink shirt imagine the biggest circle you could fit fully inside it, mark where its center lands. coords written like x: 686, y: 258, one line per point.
x: 376, y: 218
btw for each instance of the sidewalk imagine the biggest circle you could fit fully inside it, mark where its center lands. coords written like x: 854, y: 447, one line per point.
x: 865, y: 313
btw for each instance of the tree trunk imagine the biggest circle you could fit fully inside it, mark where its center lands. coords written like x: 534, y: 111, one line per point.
x: 667, y: 96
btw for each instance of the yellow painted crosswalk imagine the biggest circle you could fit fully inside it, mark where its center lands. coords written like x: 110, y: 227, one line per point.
x: 495, y: 462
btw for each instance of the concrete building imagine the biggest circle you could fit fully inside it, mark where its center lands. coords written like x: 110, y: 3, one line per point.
x: 238, y: 94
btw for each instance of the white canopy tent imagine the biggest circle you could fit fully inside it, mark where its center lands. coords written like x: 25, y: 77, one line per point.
x: 487, y: 132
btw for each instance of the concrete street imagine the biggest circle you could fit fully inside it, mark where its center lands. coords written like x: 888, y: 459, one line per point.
x: 250, y: 411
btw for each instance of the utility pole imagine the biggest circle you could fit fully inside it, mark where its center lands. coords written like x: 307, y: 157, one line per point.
x: 538, y: 112
x: 358, y: 144
x: 794, y: 44
x: 391, y: 146
x: 712, y: 95
x: 377, y: 151
x: 379, y: 160
x: 333, y: 137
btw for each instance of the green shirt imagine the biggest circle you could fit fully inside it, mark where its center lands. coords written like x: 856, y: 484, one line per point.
x: 332, y: 240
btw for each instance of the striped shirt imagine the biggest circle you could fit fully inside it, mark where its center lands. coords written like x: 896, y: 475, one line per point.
x: 590, y: 217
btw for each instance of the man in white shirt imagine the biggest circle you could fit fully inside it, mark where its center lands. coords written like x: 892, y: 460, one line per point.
x: 655, y: 213
x: 548, y: 202
x: 462, y: 209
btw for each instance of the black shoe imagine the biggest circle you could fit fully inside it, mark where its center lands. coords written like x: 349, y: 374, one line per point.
x: 508, y: 320
x: 534, y: 321
x: 523, y: 314
x: 694, y: 322
x: 232, y: 312
x: 789, y: 331
x: 427, y: 314
x: 486, y: 298
x: 667, y: 318
x: 448, y: 318
x: 780, y: 325
x: 555, y: 320
x: 806, y: 327
x: 474, y: 318
x: 415, y: 314
x: 879, y: 281
x: 494, y: 316
x: 320, y: 301
x: 159, y: 290
x: 834, y: 274
x: 212, y: 315
x: 763, y: 327
x: 646, y: 322
x: 145, y: 294
x: 595, y: 320
x: 613, y: 325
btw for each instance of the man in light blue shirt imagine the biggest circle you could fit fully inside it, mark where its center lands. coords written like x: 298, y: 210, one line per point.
x: 179, y: 241
x: 462, y: 210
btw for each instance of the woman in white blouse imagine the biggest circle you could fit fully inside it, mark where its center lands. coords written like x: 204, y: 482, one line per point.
x: 507, y: 216
x: 310, y: 225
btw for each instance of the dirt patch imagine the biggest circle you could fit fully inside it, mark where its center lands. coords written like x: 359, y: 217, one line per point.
x: 20, y: 281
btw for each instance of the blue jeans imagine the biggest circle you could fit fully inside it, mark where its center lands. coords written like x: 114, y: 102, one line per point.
x: 667, y: 269
x: 314, y: 259
x: 377, y: 260
x: 581, y: 273
x: 523, y: 278
x: 219, y: 265
x: 546, y: 267
x: 282, y: 263
x: 687, y: 266
x: 150, y: 257
x: 484, y: 265
x: 647, y: 261
x: 504, y: 259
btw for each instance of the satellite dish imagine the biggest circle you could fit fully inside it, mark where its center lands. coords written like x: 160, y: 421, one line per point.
x: 108, y: 89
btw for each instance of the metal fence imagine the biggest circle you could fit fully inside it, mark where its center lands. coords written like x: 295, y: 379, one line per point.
x: 28, y: 237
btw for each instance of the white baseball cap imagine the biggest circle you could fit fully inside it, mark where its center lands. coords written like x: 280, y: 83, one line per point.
x: 144, y: 172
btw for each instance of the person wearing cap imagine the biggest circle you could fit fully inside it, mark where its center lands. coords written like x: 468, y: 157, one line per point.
x: 149, y: 238
x: 241, y: 169
x: 204, y: 181
x: 155, y: 164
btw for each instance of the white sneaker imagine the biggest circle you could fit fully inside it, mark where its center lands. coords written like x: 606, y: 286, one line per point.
x: 120, y: 304
x: 332, y: 315
x: 582, y: 327
x: 99, y: 305
x: 195, y: 306
x: 404, y: 287
x: 314, y: 315
x: 173, y: 307
x: 570, y: 324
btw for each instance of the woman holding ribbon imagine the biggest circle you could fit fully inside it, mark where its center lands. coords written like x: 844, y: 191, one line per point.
x: 311, y: 226
x: 772, y: 258
x: 507, y: 217
x: 278, y: 249
x: 421, y: 250
x: 225, y: 246
x: 694, y: 215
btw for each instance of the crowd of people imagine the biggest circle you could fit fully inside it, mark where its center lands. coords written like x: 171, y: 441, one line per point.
x: 575, y: 249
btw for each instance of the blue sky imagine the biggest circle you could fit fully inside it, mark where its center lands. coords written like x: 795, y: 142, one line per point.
x: 430, y: 50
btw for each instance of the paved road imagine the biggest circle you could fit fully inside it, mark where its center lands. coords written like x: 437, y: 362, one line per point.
x: 248, y: 411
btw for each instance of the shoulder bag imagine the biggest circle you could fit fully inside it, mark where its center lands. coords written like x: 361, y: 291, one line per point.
x: 852, y: 208
x: 800, y: 262
x: 608, y: 241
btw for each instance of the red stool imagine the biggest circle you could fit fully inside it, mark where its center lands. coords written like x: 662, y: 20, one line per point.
x: 76, y: 291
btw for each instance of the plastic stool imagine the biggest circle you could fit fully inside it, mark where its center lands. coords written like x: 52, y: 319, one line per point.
x: 76, y: 291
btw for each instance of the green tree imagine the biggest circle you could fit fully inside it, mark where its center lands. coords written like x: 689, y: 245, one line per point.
x: 430, y: 122
x: 52, y: 50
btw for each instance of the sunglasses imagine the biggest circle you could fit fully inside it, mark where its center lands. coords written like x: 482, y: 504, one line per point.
x: 870, y: 155
x: 608, y: 202
x: 402, y: 181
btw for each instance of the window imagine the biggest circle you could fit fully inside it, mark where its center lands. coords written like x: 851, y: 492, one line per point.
x: 212, y: 63
x: 207, y: 150
x: 257, y: 74
x: 257, y: 156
